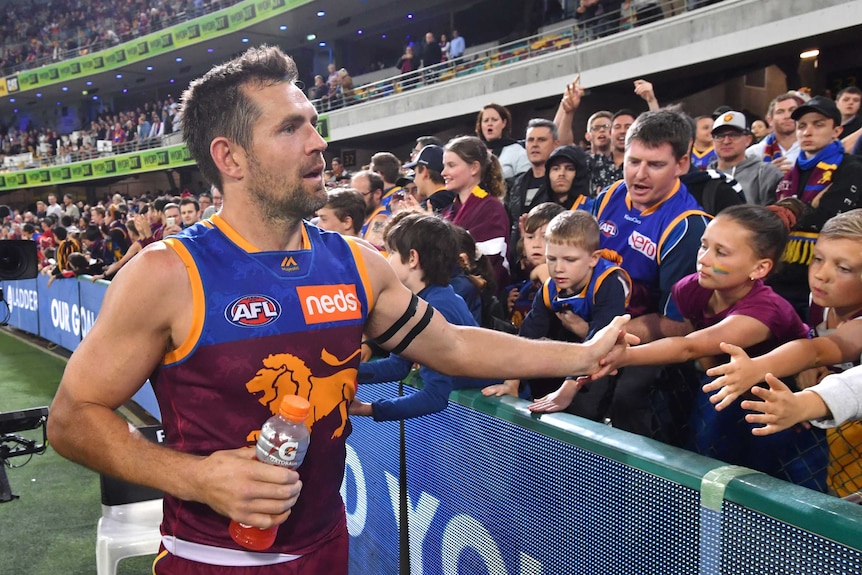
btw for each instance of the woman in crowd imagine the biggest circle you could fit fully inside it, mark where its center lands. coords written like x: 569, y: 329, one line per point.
x: 474, y: 174
x: 494, y: 127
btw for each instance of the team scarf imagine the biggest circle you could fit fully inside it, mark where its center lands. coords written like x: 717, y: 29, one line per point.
x: 822, y: 166
x: 772, y: 151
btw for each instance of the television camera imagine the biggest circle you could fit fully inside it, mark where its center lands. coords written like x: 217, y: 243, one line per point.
x: 13, y: 445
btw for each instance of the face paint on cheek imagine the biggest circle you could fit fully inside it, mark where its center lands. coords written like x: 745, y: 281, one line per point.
x: 720, y: 270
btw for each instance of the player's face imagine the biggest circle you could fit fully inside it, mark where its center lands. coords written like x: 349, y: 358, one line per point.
x: 458, y: 174
x: 650, y: 173
x: 327, y: 220
x: 725, y: 260
x: 285, y: 160
x: 561, y: 176
x: 835, y: 274
x: 569, y: 266
x: 534, y: 245
x: 814, y: 131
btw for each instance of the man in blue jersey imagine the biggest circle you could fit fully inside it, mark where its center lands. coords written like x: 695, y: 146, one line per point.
x: 655, y: 225
x: 241, y: 310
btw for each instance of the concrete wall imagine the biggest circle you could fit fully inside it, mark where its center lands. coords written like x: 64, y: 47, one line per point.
x: 726, y: 29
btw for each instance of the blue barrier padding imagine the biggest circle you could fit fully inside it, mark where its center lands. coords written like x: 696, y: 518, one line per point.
x: 22, y: 299
x: 60, y: 317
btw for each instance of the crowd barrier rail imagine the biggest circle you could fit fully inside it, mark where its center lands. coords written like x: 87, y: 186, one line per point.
x: 492, y: 488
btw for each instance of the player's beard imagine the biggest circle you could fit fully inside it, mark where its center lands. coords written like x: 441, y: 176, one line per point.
x: 281, y: 197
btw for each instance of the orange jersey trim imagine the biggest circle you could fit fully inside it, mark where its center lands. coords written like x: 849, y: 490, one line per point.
x: 198, y: 304
x: 363, y: 272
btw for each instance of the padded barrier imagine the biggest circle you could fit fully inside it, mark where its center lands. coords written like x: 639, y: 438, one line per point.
x: 493, y: 489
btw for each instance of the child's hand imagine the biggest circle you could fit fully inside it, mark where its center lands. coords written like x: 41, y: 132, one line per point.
x: 560, y: 399
x: 508, y: 387
x: 781, y: 408
x: 574, y: 323
x: 737, y: 376
x: 358, y: 407
x: 539, y: 274
x: 612, y: 342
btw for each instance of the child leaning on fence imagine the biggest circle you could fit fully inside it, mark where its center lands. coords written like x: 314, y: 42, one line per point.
x: 727, y: 301
x: 583, y: 294
x: 835, y: 280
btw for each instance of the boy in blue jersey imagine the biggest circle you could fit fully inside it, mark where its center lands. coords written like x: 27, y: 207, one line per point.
x: 422, y: 251
x: 582, y: 295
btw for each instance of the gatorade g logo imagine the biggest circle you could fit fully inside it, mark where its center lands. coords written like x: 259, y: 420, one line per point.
x: 608, y: 228
x: 287, y: 451
x: 252, y: 311
x: 321, y: 304
x: 727, y: 117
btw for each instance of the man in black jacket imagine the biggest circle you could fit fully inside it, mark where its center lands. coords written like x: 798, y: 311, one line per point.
x: 531, y: 188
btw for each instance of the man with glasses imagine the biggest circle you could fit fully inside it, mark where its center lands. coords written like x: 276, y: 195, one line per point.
x: 758, y: 179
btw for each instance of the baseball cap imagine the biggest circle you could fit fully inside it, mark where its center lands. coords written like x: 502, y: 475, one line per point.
x: 821, y: 105
x: 429, y: 156
x: 731, y: 118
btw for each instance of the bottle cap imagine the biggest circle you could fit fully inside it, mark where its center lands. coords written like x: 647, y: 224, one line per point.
x: 294, y: 407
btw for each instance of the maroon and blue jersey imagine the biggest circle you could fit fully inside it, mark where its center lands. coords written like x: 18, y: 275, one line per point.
x: 266, y: 324
x: 645, y: 239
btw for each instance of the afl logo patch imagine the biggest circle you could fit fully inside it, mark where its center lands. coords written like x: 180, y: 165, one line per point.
x: 252, y: 311
x: 608, y: 229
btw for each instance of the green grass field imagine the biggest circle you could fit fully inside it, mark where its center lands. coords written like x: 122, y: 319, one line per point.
x: 51, y: 528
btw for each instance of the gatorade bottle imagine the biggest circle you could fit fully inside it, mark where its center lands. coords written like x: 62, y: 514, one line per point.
x: 283, y: 441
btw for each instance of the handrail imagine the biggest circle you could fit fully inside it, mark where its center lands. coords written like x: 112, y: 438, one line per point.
x: 570, y: 34
x: 79, y: 156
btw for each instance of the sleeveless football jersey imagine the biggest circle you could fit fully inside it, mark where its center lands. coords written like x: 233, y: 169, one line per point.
x: 641, y: 239
x: 266, y: 325
x: 581, y: 304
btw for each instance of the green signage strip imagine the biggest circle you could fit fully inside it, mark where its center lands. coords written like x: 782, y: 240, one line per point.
x: 110, y: 167
x: 206, y: 27
x: 120, y: 165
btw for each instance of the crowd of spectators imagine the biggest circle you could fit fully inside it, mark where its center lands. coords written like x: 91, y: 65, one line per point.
x: 441, y: 58
x: 494, y: 183
x: 76, y: 238
x: 35, y: 33
x: 126, y: 130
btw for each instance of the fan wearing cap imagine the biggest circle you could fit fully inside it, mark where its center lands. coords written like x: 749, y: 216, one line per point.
x: 732, y: 137
x: 427, y: 175
x: 827, y: 180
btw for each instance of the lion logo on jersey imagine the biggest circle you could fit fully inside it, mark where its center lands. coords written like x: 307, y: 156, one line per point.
x: 285, y: 374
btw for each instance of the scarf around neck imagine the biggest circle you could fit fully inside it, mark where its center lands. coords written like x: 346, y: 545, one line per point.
x: 822, y: 166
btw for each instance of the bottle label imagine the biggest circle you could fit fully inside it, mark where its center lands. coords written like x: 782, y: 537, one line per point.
x: 288, y: 454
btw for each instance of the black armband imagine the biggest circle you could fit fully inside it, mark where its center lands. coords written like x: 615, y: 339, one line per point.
x: 417, y: 329
x: 400, y: 322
